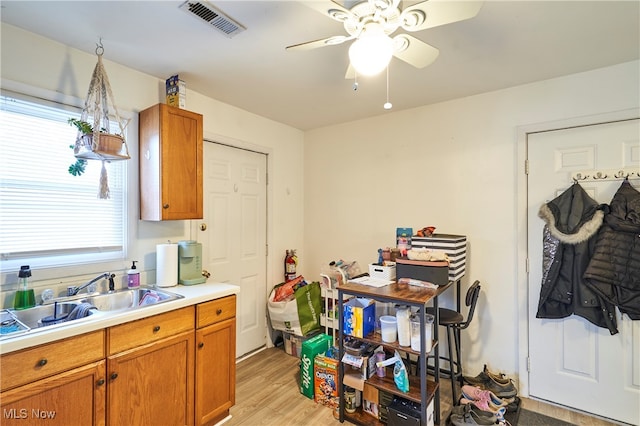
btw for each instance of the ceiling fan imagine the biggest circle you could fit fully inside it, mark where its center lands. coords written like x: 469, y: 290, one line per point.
x: 371, y: 22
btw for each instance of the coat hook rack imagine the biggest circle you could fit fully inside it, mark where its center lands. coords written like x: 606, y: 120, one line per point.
x: 606, y: 175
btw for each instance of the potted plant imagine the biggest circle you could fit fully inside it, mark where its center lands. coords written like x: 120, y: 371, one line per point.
x: 108, y: 146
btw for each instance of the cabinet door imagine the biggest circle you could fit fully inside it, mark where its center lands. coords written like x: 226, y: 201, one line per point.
x: 75, y: 397
x: 215, y: 371
x: 181, y: 164
x: 170, y: 163
x: 152, y: 384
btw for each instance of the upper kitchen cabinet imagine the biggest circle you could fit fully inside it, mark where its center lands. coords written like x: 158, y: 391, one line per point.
x: 170, y: 163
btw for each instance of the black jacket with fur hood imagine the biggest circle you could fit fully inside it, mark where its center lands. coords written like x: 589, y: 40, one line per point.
x: 571, y: 221
x: 614, y: 270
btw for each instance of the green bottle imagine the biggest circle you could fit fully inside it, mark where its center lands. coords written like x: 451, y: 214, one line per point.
x: 25, y: 298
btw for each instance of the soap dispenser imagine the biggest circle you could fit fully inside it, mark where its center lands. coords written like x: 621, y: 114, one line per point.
x: 133, y: 276
x: 25, y: 297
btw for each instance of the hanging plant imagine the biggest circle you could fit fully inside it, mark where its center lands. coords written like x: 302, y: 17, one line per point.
x: 95, y: 142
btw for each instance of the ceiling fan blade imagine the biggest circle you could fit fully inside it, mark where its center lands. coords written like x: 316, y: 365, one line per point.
x: 325, y: 6
x: 433, y: 13
x: 320, y: 43
x: 413, y: 51
x: 351, y: 72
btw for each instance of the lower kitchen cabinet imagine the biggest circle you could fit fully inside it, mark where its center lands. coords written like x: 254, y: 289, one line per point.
x: 152, y: 384
x: 74, y: 397
x: 150, y: 370
x: 174, y: 368
x: 215, y: 360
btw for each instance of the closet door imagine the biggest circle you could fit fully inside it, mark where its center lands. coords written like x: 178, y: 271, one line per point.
x: 573, y: 362
x: 235, y: 240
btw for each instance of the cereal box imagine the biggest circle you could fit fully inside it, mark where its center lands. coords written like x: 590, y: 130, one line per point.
x: 176, y: 91
x: 326, y: 381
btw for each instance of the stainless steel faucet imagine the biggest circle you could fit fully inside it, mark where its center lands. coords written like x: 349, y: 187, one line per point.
x: 73, y: 290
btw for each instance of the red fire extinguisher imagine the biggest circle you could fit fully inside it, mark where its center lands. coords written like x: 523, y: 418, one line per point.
x: 290, y: 263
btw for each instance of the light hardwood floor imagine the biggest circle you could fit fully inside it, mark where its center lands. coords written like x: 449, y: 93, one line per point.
x: 267, y: 393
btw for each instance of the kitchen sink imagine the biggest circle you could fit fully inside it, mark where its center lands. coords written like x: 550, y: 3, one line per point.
x: 56, y: 312
x: 130, y: 299
x: 16, y: 322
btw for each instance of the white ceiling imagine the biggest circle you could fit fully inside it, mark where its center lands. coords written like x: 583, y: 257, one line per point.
x: 507, y: 44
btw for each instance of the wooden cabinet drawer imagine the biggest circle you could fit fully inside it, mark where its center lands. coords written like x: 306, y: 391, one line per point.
x: 28, y: 365
x: 216, y: 311
x: 137, y: 333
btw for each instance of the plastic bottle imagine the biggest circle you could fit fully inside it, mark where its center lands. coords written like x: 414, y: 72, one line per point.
x: 404, y: 325
x: 25, y: 297
x: 133, y: 276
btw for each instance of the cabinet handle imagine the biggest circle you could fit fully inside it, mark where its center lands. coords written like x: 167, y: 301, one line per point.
x: 165, y: 206
x: 201, y: 345
x: 42, y: 362
x: 218, y: 311
x: 156, y: 328
x: 114, y: 376
x: 100, y: 382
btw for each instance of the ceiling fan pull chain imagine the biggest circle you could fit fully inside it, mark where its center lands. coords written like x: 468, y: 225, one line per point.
x: 387, y: 104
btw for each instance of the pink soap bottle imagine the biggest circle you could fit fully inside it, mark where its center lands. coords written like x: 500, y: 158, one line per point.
x: 133, y: 276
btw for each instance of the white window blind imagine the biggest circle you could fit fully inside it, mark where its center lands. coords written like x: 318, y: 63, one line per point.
x: 47, y: 216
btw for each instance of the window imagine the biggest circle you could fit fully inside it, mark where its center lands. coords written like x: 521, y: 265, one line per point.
x: 47, y: 216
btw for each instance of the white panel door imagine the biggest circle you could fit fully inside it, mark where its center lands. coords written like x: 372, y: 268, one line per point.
x: 573, y: 362
x: 235, y: 239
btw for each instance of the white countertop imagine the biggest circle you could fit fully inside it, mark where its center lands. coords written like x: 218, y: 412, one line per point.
x: 193, y: 294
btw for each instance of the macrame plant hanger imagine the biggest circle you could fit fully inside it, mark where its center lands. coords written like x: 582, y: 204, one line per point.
x: 100, y: 111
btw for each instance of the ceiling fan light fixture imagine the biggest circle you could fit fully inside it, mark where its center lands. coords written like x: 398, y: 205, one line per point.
x: 372, y: 51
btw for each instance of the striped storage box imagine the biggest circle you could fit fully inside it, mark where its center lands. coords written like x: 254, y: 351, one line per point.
x: 454, y: 245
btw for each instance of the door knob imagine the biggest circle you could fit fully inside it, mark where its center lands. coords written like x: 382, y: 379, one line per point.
x: 203, y: 226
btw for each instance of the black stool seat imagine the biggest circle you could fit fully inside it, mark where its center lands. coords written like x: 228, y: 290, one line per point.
x: 447, y: 316
x: 454, y: 322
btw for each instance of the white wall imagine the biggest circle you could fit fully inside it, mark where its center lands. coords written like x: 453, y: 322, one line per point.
x: 40, y: 66
x: 454, y: 166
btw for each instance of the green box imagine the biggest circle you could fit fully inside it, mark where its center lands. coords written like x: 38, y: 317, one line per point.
x: 316, y: 345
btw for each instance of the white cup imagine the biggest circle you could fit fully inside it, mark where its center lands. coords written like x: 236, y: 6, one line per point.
x: 388, y: 328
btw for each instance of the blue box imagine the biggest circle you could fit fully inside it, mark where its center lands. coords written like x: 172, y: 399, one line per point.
x: 359, y: 319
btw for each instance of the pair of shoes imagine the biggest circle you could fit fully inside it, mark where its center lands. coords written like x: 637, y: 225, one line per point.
x: 499, y: 384
x: 480, y: 406
x: 480, y: 417
x: 487, y: 400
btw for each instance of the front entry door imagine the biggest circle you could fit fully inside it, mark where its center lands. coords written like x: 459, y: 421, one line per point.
x: 235, y: 238
x: 573, y: 362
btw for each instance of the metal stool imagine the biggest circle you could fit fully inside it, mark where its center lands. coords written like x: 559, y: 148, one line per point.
x: 454, y: 322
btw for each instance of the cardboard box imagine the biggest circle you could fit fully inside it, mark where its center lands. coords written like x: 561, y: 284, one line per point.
x: 454, y: 245
x: 316, y: 345
x: 366, y: 365
x: 433, y: 272
x: 176, y: 92
x: 325, y: 379
x: 293, y: 343
x: 370, y: 401
x: 359, y: 317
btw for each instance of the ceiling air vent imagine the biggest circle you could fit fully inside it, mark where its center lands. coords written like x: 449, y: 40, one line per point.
x: 213, y: 16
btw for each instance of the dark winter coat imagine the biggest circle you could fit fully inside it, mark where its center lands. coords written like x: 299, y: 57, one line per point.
x: 614, y: 270
x: 572, y: 221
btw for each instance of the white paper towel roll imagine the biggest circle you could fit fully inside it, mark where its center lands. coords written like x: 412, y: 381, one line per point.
x: 166, y: 265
